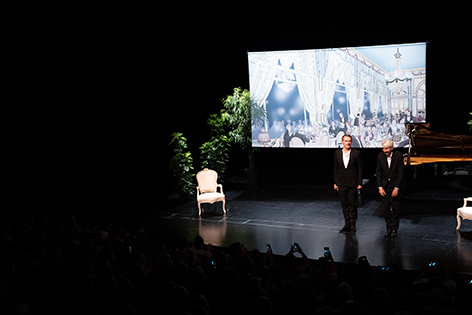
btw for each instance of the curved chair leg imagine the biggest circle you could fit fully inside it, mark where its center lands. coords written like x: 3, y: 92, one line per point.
x: 199, y: 210
x: 458, y: 223
x: 224, y: 209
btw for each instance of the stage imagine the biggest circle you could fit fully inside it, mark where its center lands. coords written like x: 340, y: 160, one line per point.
x: 282, y: 210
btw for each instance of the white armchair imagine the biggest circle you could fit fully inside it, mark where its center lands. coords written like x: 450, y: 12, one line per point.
x: 207, y: 189
x: 464, y: 212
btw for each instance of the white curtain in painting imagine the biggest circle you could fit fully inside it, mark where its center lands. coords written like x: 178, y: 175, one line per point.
x: 305, y: 66
x: 341, y: 68
x: 355, y: 101
x: 262, y: 69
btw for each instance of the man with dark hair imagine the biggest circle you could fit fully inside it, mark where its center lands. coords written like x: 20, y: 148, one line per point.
x: 347, y: 181
x: 390, y: 180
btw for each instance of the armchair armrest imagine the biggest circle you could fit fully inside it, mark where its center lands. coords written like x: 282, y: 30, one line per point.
x: 221, y: 188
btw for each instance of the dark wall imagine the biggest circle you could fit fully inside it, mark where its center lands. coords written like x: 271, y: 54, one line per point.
x: 93, y: 94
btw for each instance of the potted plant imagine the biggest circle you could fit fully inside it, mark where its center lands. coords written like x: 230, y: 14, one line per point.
x: 215, y: 153
x: 237, y: 113
x: 181, y: 166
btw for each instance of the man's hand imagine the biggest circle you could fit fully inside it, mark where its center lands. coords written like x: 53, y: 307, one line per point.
x: 336, y: 187
x: 395, y: 193
x: 359, y: 187
x: 382, y: 192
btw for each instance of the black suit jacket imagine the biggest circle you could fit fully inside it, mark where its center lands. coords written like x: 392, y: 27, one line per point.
x: 392, y: 177
x: 350, y: 176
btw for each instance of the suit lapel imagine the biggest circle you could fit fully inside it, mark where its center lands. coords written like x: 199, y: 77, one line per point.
x: 351, y: 157
x: 394, y: 158
x: 385, y: 163
x: 392, y: 162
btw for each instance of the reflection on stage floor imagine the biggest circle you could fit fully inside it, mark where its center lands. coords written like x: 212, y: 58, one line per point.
x: 280, y: 215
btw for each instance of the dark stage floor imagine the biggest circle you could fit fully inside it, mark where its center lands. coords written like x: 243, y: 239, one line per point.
x: 286, y: 210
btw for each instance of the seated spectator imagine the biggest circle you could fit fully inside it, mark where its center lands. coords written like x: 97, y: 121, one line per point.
x: 204, y: 254
x: 47, y: 268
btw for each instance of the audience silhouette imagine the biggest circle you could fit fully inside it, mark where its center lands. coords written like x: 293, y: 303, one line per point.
x: 65, y: 266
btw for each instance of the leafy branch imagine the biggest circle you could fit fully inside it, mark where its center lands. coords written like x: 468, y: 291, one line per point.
x: 181, y: 164
x: 241, y: 112
x: 215, y: 153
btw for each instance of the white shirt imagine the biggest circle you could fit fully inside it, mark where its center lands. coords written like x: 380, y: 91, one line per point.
x: 346, y: 157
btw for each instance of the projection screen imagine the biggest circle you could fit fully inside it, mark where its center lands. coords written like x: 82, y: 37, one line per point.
x: 310, y: 98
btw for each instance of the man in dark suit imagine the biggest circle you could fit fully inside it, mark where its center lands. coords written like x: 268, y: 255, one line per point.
x: 347, y: 181
x: 390, y: 180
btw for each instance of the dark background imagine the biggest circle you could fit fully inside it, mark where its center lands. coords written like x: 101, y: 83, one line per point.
x: 92, y: 94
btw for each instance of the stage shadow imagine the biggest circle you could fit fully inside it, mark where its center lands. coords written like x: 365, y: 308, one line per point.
x: 465, y: 235
x: 429, y: 207
x: 213, y: 214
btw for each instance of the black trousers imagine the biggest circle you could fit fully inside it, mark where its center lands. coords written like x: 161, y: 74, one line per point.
x: 391, y: 207
x: 348, y: 197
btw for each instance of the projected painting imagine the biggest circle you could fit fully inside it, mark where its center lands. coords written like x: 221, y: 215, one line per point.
x: 313, y: 97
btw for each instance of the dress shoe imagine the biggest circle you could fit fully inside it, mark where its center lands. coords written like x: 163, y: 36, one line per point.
x: 388, y: 234
x: 393, y: 234
x: 345, y: 229
x: 352, y: 230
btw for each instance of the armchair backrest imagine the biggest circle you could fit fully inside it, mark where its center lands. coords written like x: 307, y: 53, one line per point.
x: 465, y: 201
x: 207, y: 180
